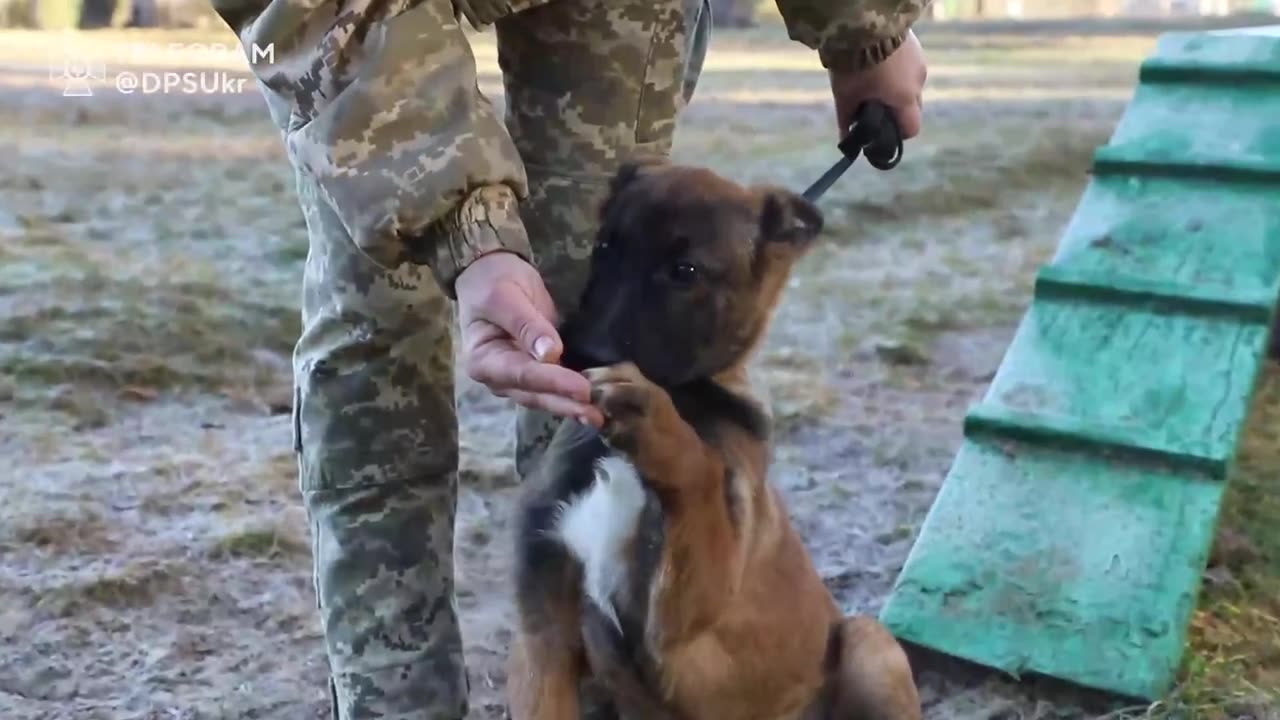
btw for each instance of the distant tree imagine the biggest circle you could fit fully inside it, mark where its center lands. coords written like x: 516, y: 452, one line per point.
x: 17, y: 13
x: 734, y: 13
x: 142, y: 13
x: 96, y: 13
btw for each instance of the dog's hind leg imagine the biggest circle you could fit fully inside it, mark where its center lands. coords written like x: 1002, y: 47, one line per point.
x: 870, y: 676
x: 542, y: 680
x: 547, y: 660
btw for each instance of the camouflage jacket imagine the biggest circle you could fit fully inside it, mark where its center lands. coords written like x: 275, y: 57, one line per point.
x: 355, y: 87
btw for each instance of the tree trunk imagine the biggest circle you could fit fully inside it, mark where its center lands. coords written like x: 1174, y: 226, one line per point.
x: 142, y: 13
x: 96, y: 14
x: 733, y: 13
x: 17, y: 14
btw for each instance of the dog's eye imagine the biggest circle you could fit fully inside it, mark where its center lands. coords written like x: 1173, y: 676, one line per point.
x: 682, y: 273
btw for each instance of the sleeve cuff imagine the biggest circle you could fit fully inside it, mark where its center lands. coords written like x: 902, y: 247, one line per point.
x: 488, y: 220
x: 839, y: 56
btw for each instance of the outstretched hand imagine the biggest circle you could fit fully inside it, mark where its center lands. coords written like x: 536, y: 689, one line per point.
x: 509, y: 339
x: 897, y: 81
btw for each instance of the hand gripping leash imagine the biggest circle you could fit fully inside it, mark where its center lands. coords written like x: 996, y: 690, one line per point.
x: 874, y: 134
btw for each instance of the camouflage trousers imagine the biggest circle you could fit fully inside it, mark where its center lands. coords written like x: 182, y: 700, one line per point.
x: 590, y: 84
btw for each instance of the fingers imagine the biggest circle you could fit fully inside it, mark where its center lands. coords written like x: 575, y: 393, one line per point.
x: 842, y: 127
x: 504, y: 367
x: 495, y: 361
x: 911, y: 113
x: 556, y: 405
x: 910, y: 118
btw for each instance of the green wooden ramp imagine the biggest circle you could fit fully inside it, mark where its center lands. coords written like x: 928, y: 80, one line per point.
x: 1069, y: 536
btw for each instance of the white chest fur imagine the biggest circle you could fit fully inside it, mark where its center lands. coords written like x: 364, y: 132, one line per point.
x: 597, y: 525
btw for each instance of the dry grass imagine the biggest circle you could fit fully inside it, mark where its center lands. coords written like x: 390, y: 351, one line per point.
x: 150, y: 257
x: 77, y: 531
x: 163, y: 333
x: 261, y: 542
x: 133, y: 585
x: 1234, y: 668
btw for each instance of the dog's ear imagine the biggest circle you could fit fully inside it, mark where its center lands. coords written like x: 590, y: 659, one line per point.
x: 787, y: 217
x: 627, y: 173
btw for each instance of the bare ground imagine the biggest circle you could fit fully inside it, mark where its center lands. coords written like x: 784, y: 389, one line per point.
x: 154, y: 561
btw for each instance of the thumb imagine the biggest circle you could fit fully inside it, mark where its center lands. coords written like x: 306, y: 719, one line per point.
x: 514, y: 312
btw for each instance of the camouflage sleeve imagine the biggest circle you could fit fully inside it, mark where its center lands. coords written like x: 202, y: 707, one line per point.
x: 379, y: 105
x: 850, y: 34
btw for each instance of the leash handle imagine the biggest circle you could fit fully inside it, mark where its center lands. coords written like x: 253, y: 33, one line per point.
x: 876, y: 135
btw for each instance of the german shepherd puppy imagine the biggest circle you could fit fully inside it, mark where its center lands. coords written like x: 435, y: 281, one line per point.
x: 654, y: 556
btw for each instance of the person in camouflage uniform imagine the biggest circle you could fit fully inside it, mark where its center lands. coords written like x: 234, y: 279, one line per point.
x: 416, y: 194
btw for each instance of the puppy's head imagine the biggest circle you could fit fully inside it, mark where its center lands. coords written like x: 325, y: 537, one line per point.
x: 686, y: 271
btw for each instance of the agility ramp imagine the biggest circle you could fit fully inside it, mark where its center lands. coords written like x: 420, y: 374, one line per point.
x: 1070, y: 534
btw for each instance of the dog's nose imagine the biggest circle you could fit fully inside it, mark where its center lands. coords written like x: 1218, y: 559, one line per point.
x: 605, y: 353
x: 583, y: 350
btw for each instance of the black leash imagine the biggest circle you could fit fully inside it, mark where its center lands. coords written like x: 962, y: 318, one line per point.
x: 874, y: 134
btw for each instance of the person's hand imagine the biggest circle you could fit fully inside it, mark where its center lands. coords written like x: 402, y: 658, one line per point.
x: 897, y: 81
x: 509, y: 341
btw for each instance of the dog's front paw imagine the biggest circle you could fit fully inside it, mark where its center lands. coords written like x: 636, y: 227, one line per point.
x: 627, y: 400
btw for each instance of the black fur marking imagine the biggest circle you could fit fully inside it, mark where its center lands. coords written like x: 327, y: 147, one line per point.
x: 629, y: 679
x: 787, y: 217
x: 573, y: 358
x: 824, y: 704
x: 627, y: 173
x: 646, y: 556
x: 567, y: 470
x: 625, y: 651
x: 705, y: 403
x: 731, y: 501
x: 835, y: 648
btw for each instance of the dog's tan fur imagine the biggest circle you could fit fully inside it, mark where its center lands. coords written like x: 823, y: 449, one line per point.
x: 732, y: 621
